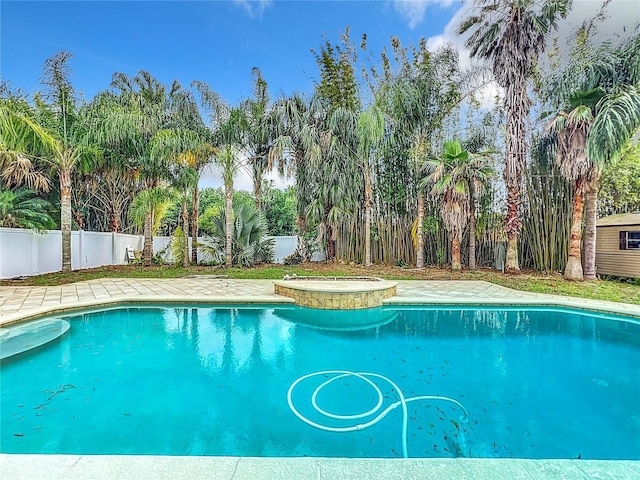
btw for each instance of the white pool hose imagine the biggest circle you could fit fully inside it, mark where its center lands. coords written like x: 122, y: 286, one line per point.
x: 366, y: 376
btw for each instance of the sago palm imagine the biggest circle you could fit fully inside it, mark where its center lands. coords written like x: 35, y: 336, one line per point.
x: 22, y: 209
x: 511, y: 34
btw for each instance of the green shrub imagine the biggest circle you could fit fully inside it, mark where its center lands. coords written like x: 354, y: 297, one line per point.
x: 249, y: 242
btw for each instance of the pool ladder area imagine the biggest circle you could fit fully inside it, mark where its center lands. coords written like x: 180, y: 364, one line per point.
x: 376, y: 410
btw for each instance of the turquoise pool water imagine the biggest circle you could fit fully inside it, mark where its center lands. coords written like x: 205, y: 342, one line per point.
x: 537, y: 383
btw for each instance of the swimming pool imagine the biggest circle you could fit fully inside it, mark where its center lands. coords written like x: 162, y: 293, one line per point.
x: 182, y: 380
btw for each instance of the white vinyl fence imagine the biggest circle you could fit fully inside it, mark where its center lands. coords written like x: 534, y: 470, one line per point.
x: 25, y: 252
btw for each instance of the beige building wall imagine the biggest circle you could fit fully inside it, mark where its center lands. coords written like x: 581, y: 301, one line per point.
x: 610, y: 260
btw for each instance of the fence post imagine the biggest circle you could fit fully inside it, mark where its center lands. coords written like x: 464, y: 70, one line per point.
x: 80, y: 249
x: 113, y: 248
x: 35, y: 253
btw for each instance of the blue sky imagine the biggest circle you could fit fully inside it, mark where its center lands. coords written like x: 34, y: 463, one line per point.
x: 218, y: 42
x: 213, y: 41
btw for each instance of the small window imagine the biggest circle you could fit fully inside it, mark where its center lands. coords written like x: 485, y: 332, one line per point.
x: 630, y: 240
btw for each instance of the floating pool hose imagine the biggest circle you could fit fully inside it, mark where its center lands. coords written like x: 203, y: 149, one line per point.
x: 376, y: 410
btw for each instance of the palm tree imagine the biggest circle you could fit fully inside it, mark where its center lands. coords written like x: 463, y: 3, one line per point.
x: 54, y: 134
x: 571, y: 127
x: 417, y: 98
x: 197, y: 159
x: 616, y: 119
x: 511, y: 33
x: 457, y: 177
x: 250, y: 243
x: 60, y: 117
x: 293, y: 114
x: 477, y: 172
x: 227, y: 160
x: 227, y: 126
x: 21, y: 209
x: 147, y: 210
x: 185, y: 180
x: 332, y: 180
x: 612, y: 77
x: 153, y: 124
x: 21, y: 140
x: 370, y: 134
x: 260, y: 132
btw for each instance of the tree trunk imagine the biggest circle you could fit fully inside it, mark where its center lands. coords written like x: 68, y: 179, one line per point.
x: 591, y: 217
x: 228, y: 196
x: 517, y: 106
x: 472, y: 231
x: 148, y: 239
x: 329, y: 234
x: 79, y: 219
x: 367, y: 215
x: 573, y: 269
x: 331, y: 245
x: 185, y: 228
x: 114, y: 223
x: 194, y: 224
x: 65, y: 217
x: 456, y: 264
x: 420, y: 246
x: 257, y: 192
x: 512, y: 227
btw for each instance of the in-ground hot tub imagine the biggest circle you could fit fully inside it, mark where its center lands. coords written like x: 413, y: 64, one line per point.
x: 341, y: 293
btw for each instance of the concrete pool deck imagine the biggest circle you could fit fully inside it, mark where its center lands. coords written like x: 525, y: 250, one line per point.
x: 19, y: 303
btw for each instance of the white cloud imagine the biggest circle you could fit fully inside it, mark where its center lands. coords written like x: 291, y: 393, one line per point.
x: 620, y: 19
x: 412, y: 11
x: 212, y: 177
x: 621, y: 16
x: 254, y: 8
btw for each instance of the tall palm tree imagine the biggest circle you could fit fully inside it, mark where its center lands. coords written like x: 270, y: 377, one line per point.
x: 197, y: 159
x: 511, y: 34
x: 185, y: 179
x: 260, y: 132
x: 571, y: 127
x: 614, y: 74
x: 227, y: 160
x: 293, y: 114
x: 370, y: 134
x: 417, y: 98
x: 227, y: 126
x: 333, y: 180
x: 153, y: 124
x: 617, y: 118
x: 60, y: 117
x: 55, y: 134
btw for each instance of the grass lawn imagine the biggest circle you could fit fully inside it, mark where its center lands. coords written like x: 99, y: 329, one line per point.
x: 612, y: 290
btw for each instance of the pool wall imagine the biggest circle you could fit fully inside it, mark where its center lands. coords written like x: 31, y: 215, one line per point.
x: 336, y: 295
